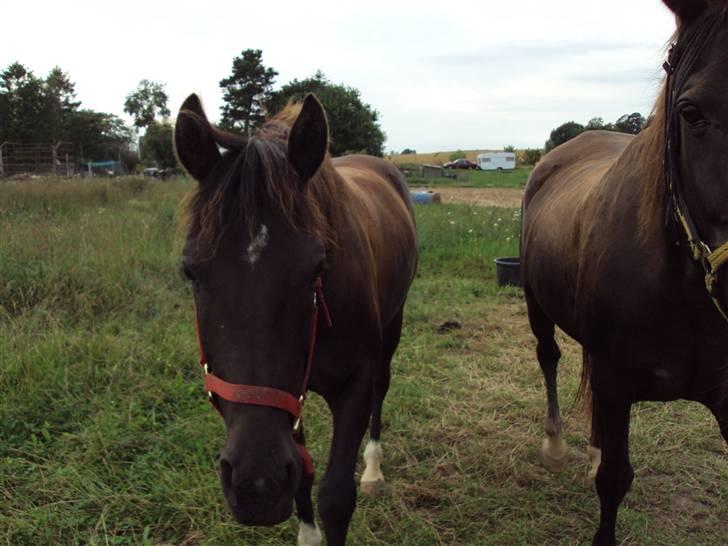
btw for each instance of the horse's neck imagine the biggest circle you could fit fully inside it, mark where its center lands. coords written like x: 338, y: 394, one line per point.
x: 637, y: 176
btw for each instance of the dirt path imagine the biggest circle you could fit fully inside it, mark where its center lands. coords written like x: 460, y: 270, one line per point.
x: 483, y: 197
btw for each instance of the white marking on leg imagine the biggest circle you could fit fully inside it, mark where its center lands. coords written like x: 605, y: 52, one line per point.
x: 595, y: 459
x: 308, y: 535
x: 258, y: 244
x: 373, y: 470
x: 554, y: 450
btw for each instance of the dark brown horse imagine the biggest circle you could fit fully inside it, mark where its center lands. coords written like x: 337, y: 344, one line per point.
x: 278, y: 232
x: 616, y: 250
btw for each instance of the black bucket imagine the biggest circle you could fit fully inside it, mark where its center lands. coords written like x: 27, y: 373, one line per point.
x: 508, y: 271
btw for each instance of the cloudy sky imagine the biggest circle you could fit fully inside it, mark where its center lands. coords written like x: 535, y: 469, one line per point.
x: 442, y: 75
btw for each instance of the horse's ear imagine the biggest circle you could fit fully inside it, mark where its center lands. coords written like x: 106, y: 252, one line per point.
x: 309, y: 138
x: 193, y: 139
x: 686, y: 10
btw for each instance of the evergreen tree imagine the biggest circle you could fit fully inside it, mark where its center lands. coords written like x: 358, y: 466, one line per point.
x: 245, y: 92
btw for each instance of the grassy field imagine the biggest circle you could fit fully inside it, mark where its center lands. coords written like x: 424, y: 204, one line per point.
x: 106, y: 437
x: 476, y: 179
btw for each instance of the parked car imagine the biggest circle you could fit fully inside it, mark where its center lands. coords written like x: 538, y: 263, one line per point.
x: 460, y: 164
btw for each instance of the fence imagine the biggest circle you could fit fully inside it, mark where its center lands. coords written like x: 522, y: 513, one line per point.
x: 45, y: 159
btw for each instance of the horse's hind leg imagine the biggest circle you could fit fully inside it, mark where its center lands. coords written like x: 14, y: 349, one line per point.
x: 373, y: 455
x: 595, y: 441
x: 308, y: 532
x: 554, y: 447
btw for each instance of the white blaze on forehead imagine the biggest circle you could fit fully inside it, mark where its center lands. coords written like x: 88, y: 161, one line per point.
x: 258, y: 244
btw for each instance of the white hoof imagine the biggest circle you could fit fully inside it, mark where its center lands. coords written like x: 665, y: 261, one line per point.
x: 308, y: 535
x: 553, y: 452
x: 372, y: 477
x: 595, y: 459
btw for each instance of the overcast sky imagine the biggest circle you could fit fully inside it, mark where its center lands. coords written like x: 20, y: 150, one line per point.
x: 443, y: 75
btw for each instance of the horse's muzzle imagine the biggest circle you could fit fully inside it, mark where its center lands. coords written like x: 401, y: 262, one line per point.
x: 260, y: 494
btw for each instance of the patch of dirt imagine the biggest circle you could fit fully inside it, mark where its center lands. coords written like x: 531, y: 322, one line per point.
x: 448, y: 325
x: 482, y: 197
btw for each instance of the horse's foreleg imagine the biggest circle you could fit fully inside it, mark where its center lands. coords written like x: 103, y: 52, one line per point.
x: 372, y: 476
x: 595, y: 442
x: 308, y: 532
x: 615, y: 473
x: 337, y: 490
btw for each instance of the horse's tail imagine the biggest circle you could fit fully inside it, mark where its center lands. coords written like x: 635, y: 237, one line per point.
x: 583, y: 401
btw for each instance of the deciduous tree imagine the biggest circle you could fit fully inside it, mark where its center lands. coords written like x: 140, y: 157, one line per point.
x: 630, y: 123
x: 157, y: 146
x: 146, y: 102
x: 563, y: 133
x: 353, y: 124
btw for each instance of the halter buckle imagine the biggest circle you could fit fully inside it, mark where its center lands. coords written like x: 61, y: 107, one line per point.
x: 297, y: 423
x: 207, y: 371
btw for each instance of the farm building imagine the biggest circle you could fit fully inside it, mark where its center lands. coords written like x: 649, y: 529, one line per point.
x: 433, y: 171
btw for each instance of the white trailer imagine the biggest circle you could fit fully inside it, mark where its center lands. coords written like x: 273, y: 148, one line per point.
x: 497, y: 161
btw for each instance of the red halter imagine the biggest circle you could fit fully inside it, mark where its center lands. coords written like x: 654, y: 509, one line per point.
x: 267, y: 396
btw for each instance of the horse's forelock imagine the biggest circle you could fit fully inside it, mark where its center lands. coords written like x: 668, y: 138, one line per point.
x: 255, y: 172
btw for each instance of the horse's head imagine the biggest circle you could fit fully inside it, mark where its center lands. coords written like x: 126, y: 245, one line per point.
x: 256, y: 244
x: 697, y: 127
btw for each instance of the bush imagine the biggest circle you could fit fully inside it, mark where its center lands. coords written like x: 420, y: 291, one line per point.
x: 531, y: 156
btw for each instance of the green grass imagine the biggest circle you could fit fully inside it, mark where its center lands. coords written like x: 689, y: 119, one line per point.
x: 106, y: 437
x: 476, y: 179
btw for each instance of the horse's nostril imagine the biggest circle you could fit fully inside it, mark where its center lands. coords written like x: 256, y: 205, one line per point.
x: 226, y: 472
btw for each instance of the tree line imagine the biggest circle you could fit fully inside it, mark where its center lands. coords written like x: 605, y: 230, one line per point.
x: 36, y: 109
x: 45, y: 110
x: 249, y: 98
x: 628, y: 123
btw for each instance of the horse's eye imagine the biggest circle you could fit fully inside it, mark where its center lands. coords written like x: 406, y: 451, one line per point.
x: 692, y: 114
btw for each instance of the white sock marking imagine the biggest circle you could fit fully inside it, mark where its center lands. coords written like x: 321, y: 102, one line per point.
x: 258, y: 244
x: 308, y: 535
x: 373, y: 459
x: 595, y: 458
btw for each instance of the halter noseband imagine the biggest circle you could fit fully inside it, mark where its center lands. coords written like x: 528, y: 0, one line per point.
x: 681, y: 59
x: 268, y: 396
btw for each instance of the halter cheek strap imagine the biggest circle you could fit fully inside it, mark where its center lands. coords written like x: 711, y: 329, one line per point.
x: 267, y: 396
